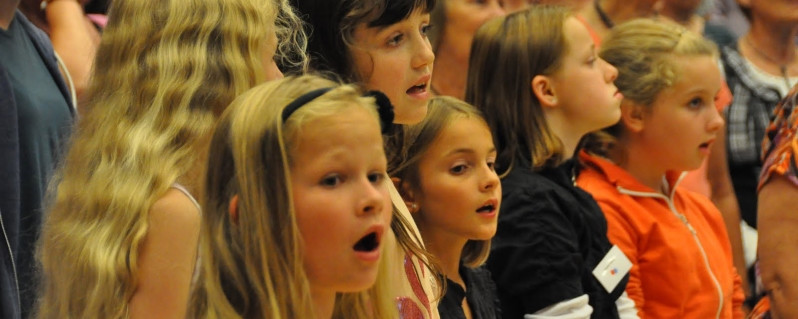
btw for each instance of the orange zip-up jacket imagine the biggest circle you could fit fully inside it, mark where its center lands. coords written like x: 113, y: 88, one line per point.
x: 681, y: 257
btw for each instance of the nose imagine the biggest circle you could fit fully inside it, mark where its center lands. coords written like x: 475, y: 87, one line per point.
x: 374, y: 197
x: 422, y: 55
x: 489, y: 180
x: 610, y: 71
x: 715, y: 120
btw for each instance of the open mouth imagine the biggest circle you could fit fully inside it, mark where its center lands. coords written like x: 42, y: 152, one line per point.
x: 368, y: 243
x: 421, y: 88
x: 486, y: 209
x: 706, y: 144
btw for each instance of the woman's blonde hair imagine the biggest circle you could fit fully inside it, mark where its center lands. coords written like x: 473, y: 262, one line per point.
x: 645, y: 52
x: 443, y: 110
x: 165, y: 70
x: 506, y: 54
x: 252, y: 267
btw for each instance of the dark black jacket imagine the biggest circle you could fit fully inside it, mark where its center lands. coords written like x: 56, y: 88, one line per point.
x: 551, y: 235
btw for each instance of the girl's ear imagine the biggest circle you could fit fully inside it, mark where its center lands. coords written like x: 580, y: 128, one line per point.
x: 544, y: 91
x: 632, y: 115
x: 407, y: 195
x: 233, y: 209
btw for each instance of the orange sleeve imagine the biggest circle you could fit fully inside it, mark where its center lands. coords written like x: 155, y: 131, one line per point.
x: 622, y: 234
x: 738, y: 297
x: 724, y: 97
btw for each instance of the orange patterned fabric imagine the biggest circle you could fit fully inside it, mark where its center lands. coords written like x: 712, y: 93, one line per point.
x: 781, y: 142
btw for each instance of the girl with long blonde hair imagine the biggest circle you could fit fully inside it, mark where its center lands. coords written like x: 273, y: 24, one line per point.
x: 382, y: 45
x: 296, y: 205
x: 120, y: 239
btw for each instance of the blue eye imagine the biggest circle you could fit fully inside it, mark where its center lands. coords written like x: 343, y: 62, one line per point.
x: 695, y: 103
x: 331, y: 181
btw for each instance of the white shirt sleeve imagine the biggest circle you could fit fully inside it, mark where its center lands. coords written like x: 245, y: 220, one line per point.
x: 626, y: 307
x: 577, y: 308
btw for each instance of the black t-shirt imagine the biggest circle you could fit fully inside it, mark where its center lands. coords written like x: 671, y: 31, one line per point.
x: 550, y: 237
x: 480, y: 293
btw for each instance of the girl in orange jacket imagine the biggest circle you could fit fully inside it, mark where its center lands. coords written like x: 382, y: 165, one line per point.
x: 676, y: 240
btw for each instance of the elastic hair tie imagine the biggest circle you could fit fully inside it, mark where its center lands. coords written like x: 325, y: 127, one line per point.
x: 384, y: 106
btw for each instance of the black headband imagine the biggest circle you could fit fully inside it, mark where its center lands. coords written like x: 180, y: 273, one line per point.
x: 384, y: 107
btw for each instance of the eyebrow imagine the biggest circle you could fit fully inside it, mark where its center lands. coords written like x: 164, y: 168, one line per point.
x: 467, y: 150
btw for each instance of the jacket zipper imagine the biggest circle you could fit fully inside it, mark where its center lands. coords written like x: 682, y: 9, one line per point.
x: 13, y: 264
x: 684, y: 220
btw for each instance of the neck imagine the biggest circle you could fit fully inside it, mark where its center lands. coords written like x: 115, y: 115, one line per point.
x: 447, y: 248
x: 7, y: 10
x: 449, y: 76
x: 773, y: 42
x: 568, y: 133
x: 323, y: 303
x: 635, y: 160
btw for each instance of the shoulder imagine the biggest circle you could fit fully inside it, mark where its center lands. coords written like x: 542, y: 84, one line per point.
x: 175, y: 207
x: 523, y: 184
x: 36, y: 35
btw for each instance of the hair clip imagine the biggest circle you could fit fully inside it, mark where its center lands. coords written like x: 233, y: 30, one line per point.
x: 384, y: 106
x: 384, y: 109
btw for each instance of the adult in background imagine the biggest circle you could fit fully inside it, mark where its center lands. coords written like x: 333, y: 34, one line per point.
x: 35, y: 119
x: 777, y: 190
x: 455, y: 22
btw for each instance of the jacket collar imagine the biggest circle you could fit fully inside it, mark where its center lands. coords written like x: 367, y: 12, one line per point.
x: 624, y: 181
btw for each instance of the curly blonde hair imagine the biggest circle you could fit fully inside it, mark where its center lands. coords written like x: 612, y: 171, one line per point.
x: 253, y: 268
x: 164, y: 72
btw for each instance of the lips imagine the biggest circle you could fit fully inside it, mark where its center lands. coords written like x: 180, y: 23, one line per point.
x: 488, y: 207
x: 420, y: 86
x: 706, y: 144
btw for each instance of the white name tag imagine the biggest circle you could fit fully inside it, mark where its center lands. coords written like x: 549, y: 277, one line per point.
x: 612, y: 268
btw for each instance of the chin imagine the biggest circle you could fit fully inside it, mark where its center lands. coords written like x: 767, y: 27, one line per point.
x: 412, y: 114
x: 360, y: 284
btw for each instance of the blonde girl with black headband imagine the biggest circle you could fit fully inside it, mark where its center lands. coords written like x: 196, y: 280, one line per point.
x: 297, y: 205
x: 383, y: 45
x: 121, y: 234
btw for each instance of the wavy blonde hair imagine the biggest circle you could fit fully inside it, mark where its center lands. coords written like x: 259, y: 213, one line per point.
x: 165, y: 70
x: 253, y: 268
